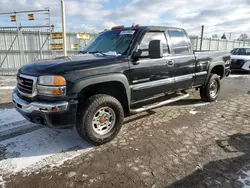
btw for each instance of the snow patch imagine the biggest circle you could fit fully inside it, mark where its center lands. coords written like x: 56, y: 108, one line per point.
x: 201, y: 104
x: 193, y: 112
x: 2, y: 182
x: 8, y: 116
x: 33, y: 150
x: 7, y: 87
x: 37, y: 149
x: 239, y: 76
x: 245, y: 178
x: 15, y: 127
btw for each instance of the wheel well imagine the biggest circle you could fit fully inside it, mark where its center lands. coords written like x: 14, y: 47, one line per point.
x: 219, y: 70
x: 114, y: 88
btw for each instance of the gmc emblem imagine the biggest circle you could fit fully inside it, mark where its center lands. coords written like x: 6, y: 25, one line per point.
x: 19, y: 81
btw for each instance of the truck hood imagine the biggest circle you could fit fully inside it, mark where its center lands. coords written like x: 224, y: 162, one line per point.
x: 243, y: 57
x: 67, y: 64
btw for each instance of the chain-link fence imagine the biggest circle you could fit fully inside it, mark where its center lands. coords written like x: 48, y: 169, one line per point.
x: 217, y: 44
x: 18, y: 47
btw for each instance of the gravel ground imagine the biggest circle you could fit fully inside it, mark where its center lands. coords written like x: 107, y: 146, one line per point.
x: 186, y: 144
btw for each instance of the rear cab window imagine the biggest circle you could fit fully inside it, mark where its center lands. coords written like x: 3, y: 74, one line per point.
x: 153, y: 35
x: 180, y: 42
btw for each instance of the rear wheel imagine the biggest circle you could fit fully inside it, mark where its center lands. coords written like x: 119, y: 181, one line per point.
x: 100, y: 119
x: 211, y: 90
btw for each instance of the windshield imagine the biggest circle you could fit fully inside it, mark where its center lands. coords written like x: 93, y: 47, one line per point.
x: 116, y: 41
x: 241, y: 51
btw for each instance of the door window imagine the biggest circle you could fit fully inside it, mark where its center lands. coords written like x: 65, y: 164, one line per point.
x: 149, y: 36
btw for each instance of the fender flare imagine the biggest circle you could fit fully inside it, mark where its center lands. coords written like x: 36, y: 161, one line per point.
x: 211, y: 66
x: 114, y: 77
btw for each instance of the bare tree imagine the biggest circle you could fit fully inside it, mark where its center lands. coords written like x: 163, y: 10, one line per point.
x: 223, y: 36
x: 243, y: 37
x: 215, y: 36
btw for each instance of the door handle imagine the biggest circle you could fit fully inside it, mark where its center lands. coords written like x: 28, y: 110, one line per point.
x: 170, y: 63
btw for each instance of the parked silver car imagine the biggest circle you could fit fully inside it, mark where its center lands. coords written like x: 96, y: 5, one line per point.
x: 241, y: 59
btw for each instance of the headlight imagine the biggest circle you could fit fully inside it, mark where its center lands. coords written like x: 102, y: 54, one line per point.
x: 51, y: 85
x: 52, y: 81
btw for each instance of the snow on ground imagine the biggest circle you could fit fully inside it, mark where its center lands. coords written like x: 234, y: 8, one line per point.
x: 7, y: 87
x: 29, y: 151
x: 7, y: 81
x: 193, y: 112
x: 2, y: 182
x: 198, y: 104
x: 239, y: 76
x: 8, y: 116
x: 245, y: 178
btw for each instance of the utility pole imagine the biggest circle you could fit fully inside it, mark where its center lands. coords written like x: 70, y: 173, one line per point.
x: 230, y: 36
x: 202, y: 32
x: 63, y: 28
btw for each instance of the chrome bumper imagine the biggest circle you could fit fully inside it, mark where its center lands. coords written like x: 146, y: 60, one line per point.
x: 29, y: 107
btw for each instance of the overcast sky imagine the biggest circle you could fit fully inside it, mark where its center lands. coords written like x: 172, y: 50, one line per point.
x: 218, y: 16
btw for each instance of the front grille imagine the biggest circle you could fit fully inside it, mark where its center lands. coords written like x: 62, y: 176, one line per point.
x: 25, y: 85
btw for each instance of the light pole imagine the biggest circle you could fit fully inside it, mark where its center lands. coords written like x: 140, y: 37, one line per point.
x: 63, y: 28
x: 202, y: 32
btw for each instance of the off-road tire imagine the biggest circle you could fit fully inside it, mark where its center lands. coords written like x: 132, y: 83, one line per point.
x: 86, y: 113
x: 205, y: 91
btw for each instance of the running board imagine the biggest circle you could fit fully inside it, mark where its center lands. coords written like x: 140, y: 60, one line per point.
x: 156, y: 105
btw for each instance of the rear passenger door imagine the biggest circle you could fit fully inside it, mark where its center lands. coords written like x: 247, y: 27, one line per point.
x: 183, y: 58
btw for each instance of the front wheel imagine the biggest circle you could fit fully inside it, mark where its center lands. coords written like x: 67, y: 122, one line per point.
x: 100, y: 119
x: 211, y: 90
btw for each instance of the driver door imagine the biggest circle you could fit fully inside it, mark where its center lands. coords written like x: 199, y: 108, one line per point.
x: 150, y: 77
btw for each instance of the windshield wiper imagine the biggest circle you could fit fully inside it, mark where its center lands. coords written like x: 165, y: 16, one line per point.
x: 95, y: 52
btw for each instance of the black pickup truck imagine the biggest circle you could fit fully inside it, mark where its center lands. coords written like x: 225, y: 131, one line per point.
x: 122, y: 71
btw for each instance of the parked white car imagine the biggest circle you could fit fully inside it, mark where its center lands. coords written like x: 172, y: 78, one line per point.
x: 241, y: 59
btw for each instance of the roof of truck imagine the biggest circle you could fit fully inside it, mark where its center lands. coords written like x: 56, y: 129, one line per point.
x: 153, y: 27
x: 159, y: 27
x: 145, y: 27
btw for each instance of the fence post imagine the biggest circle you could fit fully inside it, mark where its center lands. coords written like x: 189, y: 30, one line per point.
x: 218, y: 44
x: 197, y: 39
x: 5, y: 45
x: 39, y: 43
x: 210, y: 44
x: 22, y: 47
x: 19, y: 46
x: 202, y: 32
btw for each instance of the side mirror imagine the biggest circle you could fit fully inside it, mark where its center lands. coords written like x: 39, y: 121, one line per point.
x: 155, y: 49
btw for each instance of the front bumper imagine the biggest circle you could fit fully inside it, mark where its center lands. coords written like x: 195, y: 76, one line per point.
x: 52, y: 114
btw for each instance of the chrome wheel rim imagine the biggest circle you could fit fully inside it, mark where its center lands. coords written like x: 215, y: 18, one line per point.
x: 104, y: 120
x: 213, y: 89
